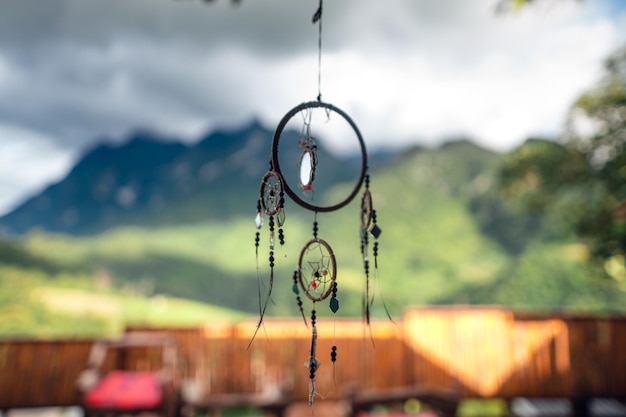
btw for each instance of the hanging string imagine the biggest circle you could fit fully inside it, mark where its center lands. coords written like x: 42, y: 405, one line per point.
x: 257, y: 240
x: 296, y: 291
x: 377, y: 231
x: 312, y: 363
x: 317, y: 17
x: 333, y: 351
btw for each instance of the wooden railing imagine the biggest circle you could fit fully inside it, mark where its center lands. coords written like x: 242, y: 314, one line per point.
x: 41, y: 373
x: 470, y: 352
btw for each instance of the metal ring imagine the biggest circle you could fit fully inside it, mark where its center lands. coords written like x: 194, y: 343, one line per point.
x: 276, y: 162
x: 331, y: 268
x: 273, y: 206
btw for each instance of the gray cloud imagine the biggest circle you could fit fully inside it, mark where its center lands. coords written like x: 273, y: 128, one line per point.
x: 75, y: 71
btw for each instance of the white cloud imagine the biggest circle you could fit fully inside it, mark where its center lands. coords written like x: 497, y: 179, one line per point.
x: 496, y: 79
x: 27, y: 161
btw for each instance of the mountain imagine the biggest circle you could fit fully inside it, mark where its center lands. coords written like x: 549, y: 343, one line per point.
x: 447, y: 238
x: 420, y: 197
x: 149, y: 181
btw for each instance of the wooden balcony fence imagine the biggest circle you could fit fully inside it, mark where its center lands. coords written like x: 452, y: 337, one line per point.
x: 469, y: 352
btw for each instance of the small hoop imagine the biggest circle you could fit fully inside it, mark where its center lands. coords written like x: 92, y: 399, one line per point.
x: 276, y: 162
x: 270, y: 191
x: 324, y: 271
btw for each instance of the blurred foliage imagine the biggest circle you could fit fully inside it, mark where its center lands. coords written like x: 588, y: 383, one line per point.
x: 24, y: 316
x: 14, y: 254
x: 578, y: 188
x: 492, y: 407
x: 554, y: 188
x: 43, y: 298
x: 550, y: 277
x: 597, y: 125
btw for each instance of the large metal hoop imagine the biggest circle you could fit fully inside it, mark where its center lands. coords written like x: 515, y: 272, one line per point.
x: 276, y: 162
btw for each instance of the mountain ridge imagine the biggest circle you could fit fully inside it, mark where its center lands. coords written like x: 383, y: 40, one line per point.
x: 152, y: 180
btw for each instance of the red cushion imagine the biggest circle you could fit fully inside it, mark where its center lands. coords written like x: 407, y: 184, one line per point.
x: 126, y: 390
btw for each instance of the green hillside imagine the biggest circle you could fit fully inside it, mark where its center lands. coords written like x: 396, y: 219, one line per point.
x: 436, y: 248
x: 33, y: 304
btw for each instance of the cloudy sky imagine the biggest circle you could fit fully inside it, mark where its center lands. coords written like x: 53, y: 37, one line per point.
x: 74, y: 72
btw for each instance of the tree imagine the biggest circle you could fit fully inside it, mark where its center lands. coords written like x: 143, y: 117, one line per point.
x: 597, y: 128
x: 597, y: 124
x: 579, y: 185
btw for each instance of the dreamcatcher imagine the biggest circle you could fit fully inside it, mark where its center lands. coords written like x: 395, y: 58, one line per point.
x: 271, y: 203
x: 315, y: 276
